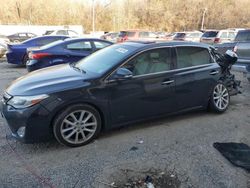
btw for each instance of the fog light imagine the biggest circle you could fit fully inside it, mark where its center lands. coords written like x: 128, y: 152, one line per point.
x: 21, y: 132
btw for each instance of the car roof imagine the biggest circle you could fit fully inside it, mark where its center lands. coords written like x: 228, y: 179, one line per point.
x: 87, y: 39
x: 152, y: 44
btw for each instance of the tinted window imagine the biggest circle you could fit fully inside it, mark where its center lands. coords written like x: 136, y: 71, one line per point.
x: 82, y: 45
x: 243, y: 36
x: 52, y: 44
x: 180, y: 35
x: 151, y: 61
x: 210, y: 34
x: 99, y: 45
x: 103, y: 60
x: 42, y: 42
x: 126, y: 33
x: 122, y: 34
x: 192, y: 56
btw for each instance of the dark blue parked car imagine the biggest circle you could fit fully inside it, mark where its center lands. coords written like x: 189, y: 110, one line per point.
x: 17, y: 52
x: 67, y: 51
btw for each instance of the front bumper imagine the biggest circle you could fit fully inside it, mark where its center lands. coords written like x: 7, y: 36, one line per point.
x: 34, y: 119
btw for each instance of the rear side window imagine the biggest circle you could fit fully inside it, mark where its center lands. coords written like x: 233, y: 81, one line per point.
x: 42, y: 42
x: 192, y: 56
x: 83, y: 45
x: 223, y: 35
x: 210, y: 34
x: 62, y: 32
x: 99, y: 45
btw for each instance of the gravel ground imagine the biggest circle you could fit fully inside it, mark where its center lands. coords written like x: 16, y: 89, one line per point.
x: 181, y: 144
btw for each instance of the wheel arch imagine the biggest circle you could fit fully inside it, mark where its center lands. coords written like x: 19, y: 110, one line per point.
x: 63, y: 107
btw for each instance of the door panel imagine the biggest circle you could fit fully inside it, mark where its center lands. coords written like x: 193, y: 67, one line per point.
x: 193, y: 85
x: 142, y: 97
x: 195, y: 76
x: 151, y: 90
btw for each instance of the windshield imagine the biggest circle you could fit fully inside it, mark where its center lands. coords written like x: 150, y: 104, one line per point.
x: 210, y: 34
x: 103, y: 60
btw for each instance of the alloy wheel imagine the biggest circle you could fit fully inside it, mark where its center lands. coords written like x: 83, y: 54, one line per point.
x: 221, y: 97
x: 78, y: 127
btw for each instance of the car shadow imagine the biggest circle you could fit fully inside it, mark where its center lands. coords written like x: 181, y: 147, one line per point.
x: 53, y: 145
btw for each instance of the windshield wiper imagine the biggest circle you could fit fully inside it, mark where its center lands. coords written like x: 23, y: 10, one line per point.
x: 73, y: 65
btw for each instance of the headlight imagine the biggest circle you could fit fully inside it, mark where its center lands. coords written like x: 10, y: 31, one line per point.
x: 25, y: 101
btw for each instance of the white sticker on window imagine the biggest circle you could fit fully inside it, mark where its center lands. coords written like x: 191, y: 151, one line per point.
x: 121, y: 50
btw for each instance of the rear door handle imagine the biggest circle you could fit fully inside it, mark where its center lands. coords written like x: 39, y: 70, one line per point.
x: 214, y: 72
x: 167, y: 82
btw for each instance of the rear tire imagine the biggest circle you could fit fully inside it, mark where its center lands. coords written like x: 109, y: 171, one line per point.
x: 220, y: 98
x: 25, y: 59
x: 77, y: 125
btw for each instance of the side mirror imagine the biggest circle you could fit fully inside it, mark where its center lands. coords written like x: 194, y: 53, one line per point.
x: 122, y: 74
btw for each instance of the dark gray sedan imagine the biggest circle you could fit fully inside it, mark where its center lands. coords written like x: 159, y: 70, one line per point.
x: 117, y: 85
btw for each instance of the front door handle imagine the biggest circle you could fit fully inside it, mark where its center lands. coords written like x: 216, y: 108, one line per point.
x: 214, y: 72
x: 167, y: 82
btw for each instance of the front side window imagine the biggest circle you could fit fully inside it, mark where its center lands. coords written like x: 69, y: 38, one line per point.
x: 82, y: 45
x: 192, y: 56
x: 152, y: 61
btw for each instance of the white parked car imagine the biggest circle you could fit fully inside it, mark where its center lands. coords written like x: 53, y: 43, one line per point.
x: 215, y: 36
x: 67, y: 32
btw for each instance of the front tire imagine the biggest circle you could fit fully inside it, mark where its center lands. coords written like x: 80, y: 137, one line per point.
x: 220, y: 99
x: 77, y: 125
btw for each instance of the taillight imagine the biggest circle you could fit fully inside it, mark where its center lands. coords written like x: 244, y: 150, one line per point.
x: 216, y: 40
x: 235, y: 49
x: 38, y: 55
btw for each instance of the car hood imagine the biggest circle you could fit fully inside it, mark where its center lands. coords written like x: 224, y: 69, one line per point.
x: 49, y: 80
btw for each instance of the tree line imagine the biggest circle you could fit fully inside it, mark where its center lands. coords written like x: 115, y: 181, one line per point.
x: 115, y: 15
